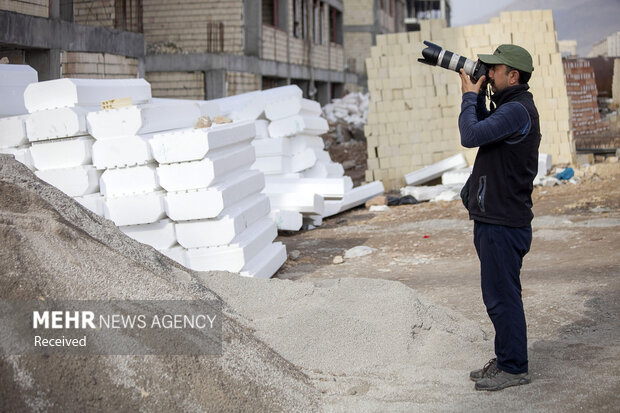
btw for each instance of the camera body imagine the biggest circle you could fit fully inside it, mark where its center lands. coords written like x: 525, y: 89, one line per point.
x: 435, y: 55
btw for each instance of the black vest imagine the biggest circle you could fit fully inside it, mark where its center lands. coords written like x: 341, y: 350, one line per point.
x: 501, y: 184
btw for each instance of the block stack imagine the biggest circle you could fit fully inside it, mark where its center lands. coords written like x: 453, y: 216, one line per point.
x: 301, y: 179
x: 186, y: 191
x: 414, y: 108
x: 581, y: 88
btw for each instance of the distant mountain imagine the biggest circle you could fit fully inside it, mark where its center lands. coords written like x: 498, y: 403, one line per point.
x: 587, y: 21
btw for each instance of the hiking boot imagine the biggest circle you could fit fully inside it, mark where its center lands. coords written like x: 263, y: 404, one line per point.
x: 499, y: 379
x: 488, y: 368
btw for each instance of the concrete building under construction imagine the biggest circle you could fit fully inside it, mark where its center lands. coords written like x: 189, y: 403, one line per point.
x: 189, y: 49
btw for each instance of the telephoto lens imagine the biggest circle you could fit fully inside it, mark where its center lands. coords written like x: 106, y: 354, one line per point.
x: 437, y: 56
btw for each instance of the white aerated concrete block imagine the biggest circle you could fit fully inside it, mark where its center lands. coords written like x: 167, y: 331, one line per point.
x: 13, y: 131
x: 210, y: 202
x: 193, y: 144
x: 63, y: 153
x: 144, y: 119
x: 159, y: 235
x: 328, y: 187
x: 57, y: 123
x: 292, y: 106
x: 135, y: 209
x: 129, y: 181
x: 235, y: 256
x: 266, y: 262
x: 66, y: 93
x: 78, y: 181
x: 94, y: 202
x: 430, y: 172
x: 306, y: 202
x: 213, y: 168
x: 176, y: 253
x: 223, y: 229
x: 123, y: 151
x: 287, y: 220
x: 13, y: 82
x: 308, y: 125
x: 21, y: 154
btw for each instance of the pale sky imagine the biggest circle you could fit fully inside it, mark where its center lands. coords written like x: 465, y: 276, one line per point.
x: 463, y: 11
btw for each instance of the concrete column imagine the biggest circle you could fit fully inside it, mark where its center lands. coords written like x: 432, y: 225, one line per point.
x: 323, y: 92
x: 54, y: 8
x: 45, y: 62
x: 215, y: 84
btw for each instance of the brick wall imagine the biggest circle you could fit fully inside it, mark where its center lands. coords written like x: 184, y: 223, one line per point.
x: 94, y: 12
x: 178, y: 85
x: 357, y: 49
x: 358, y: 12
x: 98, y: 66
x: 414, y: 108
x: 32, y: 7
x: 194, y: 26
x: 239, y: 82
x: 581, y: 88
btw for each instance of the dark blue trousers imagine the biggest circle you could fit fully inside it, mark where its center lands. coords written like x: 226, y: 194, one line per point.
x: 501, y: 250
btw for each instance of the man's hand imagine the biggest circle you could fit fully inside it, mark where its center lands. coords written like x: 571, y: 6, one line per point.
x: 468, y: 86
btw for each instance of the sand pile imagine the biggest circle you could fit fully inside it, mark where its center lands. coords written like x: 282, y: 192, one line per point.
x: 53, y: 248
x: 332, y: 345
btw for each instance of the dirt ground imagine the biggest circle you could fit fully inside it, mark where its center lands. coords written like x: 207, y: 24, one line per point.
x: 570, y: 278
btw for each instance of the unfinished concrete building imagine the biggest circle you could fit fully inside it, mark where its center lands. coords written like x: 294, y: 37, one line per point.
x: 187, y: 49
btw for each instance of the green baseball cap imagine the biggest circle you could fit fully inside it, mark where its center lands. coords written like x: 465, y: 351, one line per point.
x: 509, y: 55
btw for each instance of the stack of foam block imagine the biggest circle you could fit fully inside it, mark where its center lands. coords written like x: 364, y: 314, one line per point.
x: 13, y: 113
x: 301, y: 179
x: 581, y: 88
x: 414, y: 108
x: 187, y: 192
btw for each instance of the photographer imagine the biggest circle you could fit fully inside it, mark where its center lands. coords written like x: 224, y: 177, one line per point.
x: 498, y: 198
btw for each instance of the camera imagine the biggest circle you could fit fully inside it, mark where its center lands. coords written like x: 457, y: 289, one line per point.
x: 437, y: 56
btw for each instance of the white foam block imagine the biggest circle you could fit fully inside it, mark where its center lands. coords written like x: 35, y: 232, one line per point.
x: 210, y: 202
x: 456, y: 176
x: 94, y: 202
x: 327, y: 187
x: 206, y: 107
x: 143, y: 119
x: 135, y: 209
x: 176, y: 253
x: 159, y: 235
x: 306, y: 202
x: 322, y: 169
x: 356, y: 196
x: 123, y: 151
x: 13, y: 82
x: 57, y: 123
x: 235, y: 256
x: 285, y: 108
x: 435, y: 170
x: 21, y: 154
x: 544, y: 164
x: 13, y: 131
x: 266, y: 263
x: 61, y: 93
x: 286, y: 145
x: 225, y: 227
x: 78, y: 181
x: 230, y: 103
x: 193, y: 144
x: 250, y: 111
x: 213, y: 168
x: 308, y: 125
x: 287, y: 220
x: 128, y: 181
x: 63, y: 153
x: 262, y: 126
x: 286, y: 164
